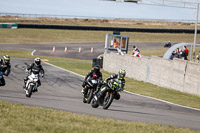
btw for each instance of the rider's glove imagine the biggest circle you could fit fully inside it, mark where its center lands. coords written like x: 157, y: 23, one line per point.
x: 26, y: 71
x: 120, y: 89
x: 101, y: 81
x: 42, y: 75
x: 83, y: 85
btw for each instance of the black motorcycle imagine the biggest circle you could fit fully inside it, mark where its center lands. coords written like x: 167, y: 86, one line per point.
x: 91, y: 86
x: 1, y: 78
x: 107, y: 98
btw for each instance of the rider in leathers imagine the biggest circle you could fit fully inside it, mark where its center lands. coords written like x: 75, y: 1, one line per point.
x: 93, y: 74
x: 117, y: 77
x: 5, y: 68
x: 35, y: 68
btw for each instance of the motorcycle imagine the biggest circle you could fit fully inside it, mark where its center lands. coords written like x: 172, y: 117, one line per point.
x: 31, y: 84
x: 112, y: 92
x: 1, y: 77
x: 92, y: 87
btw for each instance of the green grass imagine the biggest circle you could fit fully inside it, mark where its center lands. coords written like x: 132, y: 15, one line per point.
x: 83, y: 66
x: 76, y: 36
x: 16, y: 118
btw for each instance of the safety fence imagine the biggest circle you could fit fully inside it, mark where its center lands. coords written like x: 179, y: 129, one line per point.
x: 175, y: 74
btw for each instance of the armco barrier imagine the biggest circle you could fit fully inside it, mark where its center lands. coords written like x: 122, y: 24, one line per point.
x: 175, y: 74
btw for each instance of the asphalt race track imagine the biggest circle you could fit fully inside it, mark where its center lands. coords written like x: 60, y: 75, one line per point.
x: 61, y: 90
x: 73, y: 49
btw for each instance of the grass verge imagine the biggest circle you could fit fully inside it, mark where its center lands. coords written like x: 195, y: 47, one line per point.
x: 24, y: 119
x: 76, y: 36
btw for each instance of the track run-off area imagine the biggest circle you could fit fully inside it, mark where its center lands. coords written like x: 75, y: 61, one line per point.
x: 60, y: 90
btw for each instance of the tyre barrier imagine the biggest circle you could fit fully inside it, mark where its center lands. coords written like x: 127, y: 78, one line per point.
x: 9, y: 25
x: 95, y: 28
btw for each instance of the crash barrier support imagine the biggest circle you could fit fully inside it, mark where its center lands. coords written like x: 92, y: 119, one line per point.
x: 8, y: 25
x: 175, y: 74
x: 97, y: 28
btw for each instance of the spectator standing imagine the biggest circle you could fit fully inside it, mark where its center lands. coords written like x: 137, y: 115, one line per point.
x: 136, y: 52
x: 173, y: 54
x: 116, y: 43
x: 185, y: 53
x: 198, y: 57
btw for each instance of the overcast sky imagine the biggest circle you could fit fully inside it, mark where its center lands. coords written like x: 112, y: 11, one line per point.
x: 96, y: 8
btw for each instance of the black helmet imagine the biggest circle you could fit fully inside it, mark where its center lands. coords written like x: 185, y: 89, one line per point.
x: 6, y: 59
x: 97, y: 68
x: 37, y: 61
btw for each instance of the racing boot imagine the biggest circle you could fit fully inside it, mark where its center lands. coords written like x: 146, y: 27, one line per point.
x: 117, y: 96
x: 84, y: 92
x: 24, y: 86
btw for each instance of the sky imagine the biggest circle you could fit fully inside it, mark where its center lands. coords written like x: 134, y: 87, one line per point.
x: 96, y: 8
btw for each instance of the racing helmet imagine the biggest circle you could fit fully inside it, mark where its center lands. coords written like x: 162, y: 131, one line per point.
x: 37, y: 61
x: 96, y: 68
x: 6, y: 59
x: 121, y: 74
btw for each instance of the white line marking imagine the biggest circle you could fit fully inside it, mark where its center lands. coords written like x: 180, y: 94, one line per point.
x: 161, y: 100
x: 128, y: 91
x: 33, y: 52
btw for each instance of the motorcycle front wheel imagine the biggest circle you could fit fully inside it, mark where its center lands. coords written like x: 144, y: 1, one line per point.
x: 107, y: 100
x: 30, y: 90
x: 90, y: 95
x: 94, y: 103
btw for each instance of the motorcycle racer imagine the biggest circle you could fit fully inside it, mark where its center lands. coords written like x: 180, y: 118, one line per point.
x: 5, y: 67
x: 117, y: 77
x: 35, y: 68
x: 93, y: 74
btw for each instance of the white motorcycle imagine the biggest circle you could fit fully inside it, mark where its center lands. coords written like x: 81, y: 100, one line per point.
x: 31, y: 84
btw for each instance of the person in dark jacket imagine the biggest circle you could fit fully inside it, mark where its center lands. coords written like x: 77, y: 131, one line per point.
x: 35, y: 68
x: 4, y: 68
x: 185, y: 53
x: 93, y: 74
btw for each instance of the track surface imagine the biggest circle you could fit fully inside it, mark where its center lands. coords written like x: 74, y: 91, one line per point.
x: 61, y: 90
x: 72, y: 49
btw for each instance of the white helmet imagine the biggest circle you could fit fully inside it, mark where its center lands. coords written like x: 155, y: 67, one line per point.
x: 37, y: 61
